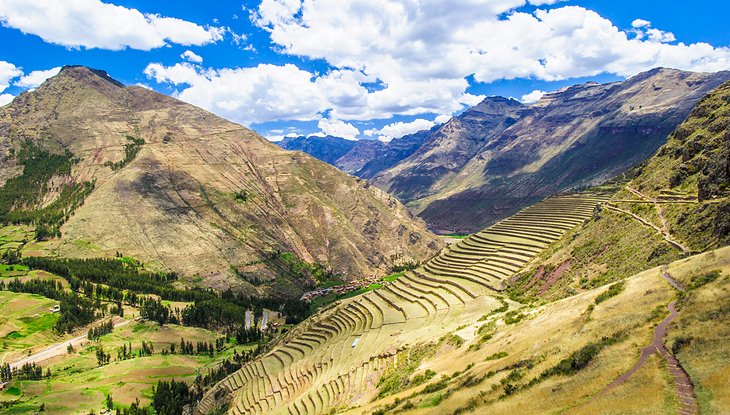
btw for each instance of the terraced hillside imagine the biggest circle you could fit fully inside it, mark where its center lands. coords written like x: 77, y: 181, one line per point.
x: 334, y: 359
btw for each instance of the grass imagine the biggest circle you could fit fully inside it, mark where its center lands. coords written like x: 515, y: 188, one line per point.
x: 573, y: 358
x: 612, y: 291
x: 77, y: 379
x: 318, y: 302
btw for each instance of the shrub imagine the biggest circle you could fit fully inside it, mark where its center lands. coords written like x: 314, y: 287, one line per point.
x: 702, y: 279
x: 612, y: 291
x: 497, y: 356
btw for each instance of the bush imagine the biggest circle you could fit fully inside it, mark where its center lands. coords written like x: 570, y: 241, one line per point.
x: 612, y: 291
x: 702, y: 279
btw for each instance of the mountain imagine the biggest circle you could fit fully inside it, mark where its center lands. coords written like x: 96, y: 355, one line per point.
x: 389, y: 154
x: 122, y: 169
x: 449, y: 149
x: 362, y: 158
x: 328, y: 149
x: 612, y: 300
x: 488, y: 163
x: 674, y: 204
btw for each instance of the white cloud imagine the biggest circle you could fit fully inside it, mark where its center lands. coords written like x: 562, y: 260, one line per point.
x: 656, y: 35
x: 191, y: 56
x: 94, y: 24
x: 392, y: 44
x: 246, y: 95
x: 399, y: 129
x: 338, y: 128
x: 34, y: 79
x: 640, y: 23
x: 532, y: 97
x: 443, y: 118
x: 8, y: 71
x: 5, y: 99
x: 395, y: 41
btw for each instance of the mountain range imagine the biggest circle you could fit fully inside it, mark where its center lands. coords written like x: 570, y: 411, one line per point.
x: 501, y: 155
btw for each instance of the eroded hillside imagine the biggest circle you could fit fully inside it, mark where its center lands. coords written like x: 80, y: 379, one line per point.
x: 184, y: 190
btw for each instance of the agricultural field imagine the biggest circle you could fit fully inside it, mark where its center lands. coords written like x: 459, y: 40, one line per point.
x: 25, y: 322
x: 78, y: 383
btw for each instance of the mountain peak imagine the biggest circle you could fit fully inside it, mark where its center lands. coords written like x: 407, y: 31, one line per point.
x: 87, y: 75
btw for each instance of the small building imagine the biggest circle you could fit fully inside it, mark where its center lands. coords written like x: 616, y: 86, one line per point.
x: 55, y: 309
x: 355, y: 342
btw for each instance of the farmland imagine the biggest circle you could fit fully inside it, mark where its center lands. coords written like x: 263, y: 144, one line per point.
x: 343, y: 351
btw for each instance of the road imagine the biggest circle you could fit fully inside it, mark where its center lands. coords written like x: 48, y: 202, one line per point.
x: 57, y: 349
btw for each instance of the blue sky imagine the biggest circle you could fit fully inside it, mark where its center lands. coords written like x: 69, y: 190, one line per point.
x: 361, y: 68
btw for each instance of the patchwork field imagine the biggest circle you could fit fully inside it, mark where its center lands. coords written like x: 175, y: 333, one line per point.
x: 80, y: 385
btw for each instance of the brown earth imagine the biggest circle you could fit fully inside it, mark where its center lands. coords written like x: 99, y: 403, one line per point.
x: 173, y: 206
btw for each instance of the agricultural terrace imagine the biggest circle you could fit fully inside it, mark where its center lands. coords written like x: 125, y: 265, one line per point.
x: 335, y: 358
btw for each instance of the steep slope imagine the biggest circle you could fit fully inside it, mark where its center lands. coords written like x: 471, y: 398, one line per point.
x: 327, y: 149
x: 389, y: 154
x: 445, y: 338
x: 576, y: 137
x: 677, y: 203
x: 182, y: 189
x: 449, y: 149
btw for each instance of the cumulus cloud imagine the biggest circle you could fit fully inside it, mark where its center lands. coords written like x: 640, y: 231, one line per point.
x: 35, y: 78
x: 338, y: 128
x: 246, y: 95
x: 8, y: 71
x: 94, y: 24
x: 422, y: 54
x: 5, y: 99
x: 191, y: 56
x: 397, y: 40
x: 399, y: 129
x: 640, y: 23
x: 532, y: 97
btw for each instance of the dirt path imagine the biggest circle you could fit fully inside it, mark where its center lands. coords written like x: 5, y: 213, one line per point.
x: 658, y: 208
x: 684, y: 388
x: 648, y: 224
x: 57, y: 349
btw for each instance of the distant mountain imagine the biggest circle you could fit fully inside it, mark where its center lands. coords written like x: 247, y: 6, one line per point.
x: 448, y: 149
x: 501, y: 156
x: 362, y: 158
x: 125, y: 169
x: 328, y: 149
x: 390, y: 154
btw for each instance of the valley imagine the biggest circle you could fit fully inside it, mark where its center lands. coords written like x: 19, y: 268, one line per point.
x: 607, y: 299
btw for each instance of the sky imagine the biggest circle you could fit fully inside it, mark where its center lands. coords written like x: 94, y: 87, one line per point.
x: 358, y: 69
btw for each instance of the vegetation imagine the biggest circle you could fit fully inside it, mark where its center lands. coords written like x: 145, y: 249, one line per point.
x: 130, y: 152
x: 21, y: 197
x: 612, y: 291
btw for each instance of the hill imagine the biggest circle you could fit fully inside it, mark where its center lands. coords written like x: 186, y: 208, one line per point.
x: 121, y: 169
x: 487, y: 164
x: 606, y: 301
x: 676, y: 203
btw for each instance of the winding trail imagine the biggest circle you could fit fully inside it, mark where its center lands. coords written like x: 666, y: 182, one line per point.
x: 648, y: 224
x: 658, y: 208
x: 685, y: 390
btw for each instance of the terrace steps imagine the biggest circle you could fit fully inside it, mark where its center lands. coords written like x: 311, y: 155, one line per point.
x: 316, y: 367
